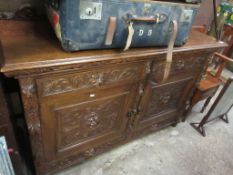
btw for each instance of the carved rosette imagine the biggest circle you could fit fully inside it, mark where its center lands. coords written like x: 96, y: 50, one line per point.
x: 31, y: 109
x: 165, y: 98
x: 81, y: 122
x: 92, y: 120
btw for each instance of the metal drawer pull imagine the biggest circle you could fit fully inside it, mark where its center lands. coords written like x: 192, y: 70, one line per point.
x: 92, y: 95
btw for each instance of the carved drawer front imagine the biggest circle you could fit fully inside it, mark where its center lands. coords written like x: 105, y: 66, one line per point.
x: 95, y: 78
x: 160, y: 100
x: 182, y: 66
x: 79, y: 121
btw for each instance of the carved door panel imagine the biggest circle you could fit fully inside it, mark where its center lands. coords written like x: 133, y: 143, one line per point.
x: 162, y: 102
x: 77, y: 122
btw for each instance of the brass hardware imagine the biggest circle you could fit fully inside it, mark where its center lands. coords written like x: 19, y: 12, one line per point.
x: 133, y: 113
x: 90, y: 10
x: 130, y: 114
x: 158, y: 18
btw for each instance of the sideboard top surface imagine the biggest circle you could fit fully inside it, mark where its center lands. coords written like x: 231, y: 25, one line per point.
x: 31, y: 45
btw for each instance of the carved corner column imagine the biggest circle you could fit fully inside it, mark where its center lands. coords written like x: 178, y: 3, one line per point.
x: 32, y: 116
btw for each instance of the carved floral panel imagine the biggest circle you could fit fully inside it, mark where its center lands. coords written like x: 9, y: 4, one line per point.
x: 70, y: 82
x: 164, y: 98
x: 78, y: 123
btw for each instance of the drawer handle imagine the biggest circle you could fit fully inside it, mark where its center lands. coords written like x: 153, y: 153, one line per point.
x: 92, y: 95
x: 180, y: 65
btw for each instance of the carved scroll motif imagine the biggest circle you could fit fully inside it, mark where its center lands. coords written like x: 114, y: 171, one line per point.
x: 88, y: 79
x: 31, y: 108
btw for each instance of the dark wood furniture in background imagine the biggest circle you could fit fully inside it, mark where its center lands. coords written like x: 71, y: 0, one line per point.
x: 205, y: 14
x: 212, y: 80
x: 227, y: 36
x: 209, y: 85
x: 220, y: 108
x: 80, y: 104
x: 6, y: 130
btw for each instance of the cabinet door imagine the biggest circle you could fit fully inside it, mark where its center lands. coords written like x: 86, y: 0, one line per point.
x: 77, y: 122
x: 161, y: 104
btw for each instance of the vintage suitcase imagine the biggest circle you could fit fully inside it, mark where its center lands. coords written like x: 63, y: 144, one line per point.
x: 101, y: 24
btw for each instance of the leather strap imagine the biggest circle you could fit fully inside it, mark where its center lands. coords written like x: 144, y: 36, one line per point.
x: 130, y: 36
x: 111, y: 30
x: 170, y: 50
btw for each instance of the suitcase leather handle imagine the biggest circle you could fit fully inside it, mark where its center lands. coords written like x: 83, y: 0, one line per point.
x: 110, y: 31
x: 169, y: 56
x: 130, y: 36
x: 158, y: 18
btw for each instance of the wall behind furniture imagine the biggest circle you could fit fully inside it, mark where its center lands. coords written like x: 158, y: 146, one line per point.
x: 10, y: 8
x: 206, y: 14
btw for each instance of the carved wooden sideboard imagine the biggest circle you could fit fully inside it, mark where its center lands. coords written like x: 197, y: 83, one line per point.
x: 78, y: 105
